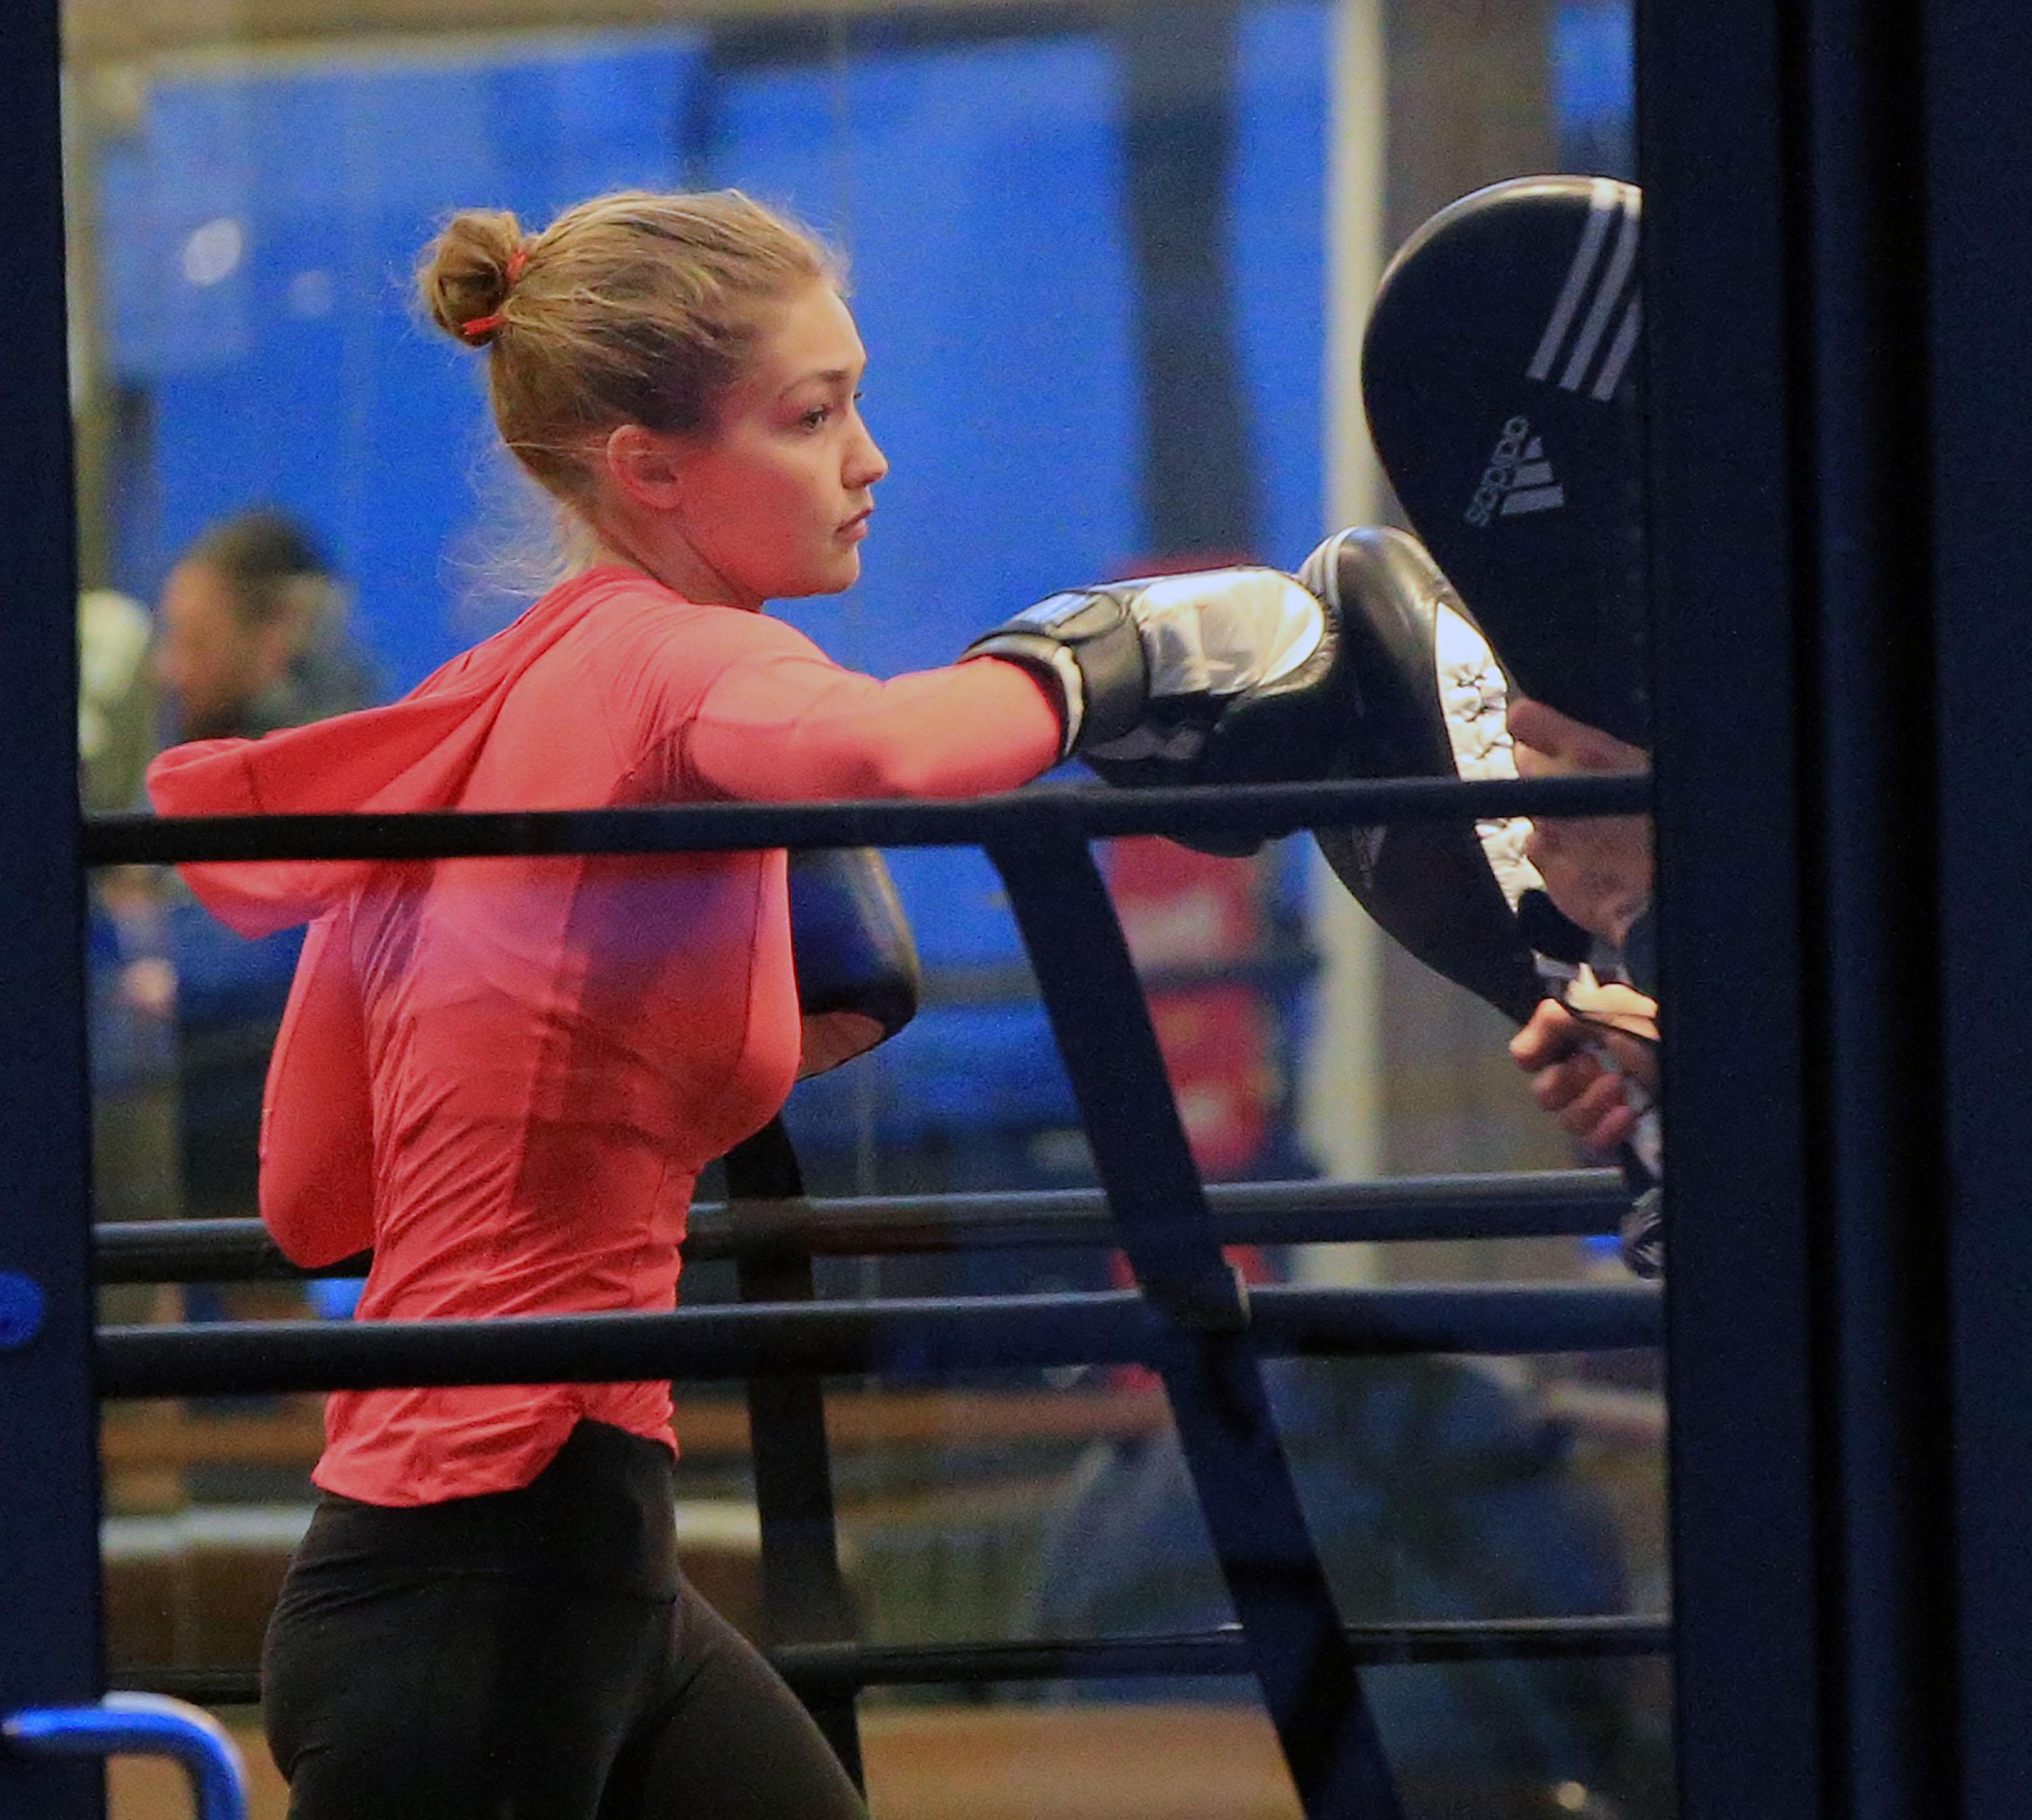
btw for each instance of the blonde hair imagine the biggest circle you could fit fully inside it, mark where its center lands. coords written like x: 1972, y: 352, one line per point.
x: 635, y: 307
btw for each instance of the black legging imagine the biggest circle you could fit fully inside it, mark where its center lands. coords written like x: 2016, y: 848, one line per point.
x: 529, y: 1655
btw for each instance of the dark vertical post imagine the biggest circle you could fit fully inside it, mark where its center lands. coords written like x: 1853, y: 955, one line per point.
x: 805, y: 1597
x: 1976, y: 59
x: 49, y: 1485
x: 1792, y: 508
x: 1747, y: 1436
x: 1199, y: 475
x: 1873, y: 981
x: 1226, y: 1430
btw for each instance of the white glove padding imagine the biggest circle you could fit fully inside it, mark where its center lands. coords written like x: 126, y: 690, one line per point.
x: 1146, y: 670
x: 1432, y: 702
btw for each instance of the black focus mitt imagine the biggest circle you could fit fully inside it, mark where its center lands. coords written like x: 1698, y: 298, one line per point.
x: 1429, y: 701
x: 1501, y: 374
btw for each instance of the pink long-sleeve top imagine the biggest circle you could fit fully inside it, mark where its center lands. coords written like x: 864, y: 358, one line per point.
x: 506, y: 1074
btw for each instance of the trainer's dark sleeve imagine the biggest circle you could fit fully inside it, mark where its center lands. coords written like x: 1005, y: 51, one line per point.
x: 1640, y: 953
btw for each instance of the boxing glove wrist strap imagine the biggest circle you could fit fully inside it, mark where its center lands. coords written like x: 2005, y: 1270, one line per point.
x: 1087, y: 649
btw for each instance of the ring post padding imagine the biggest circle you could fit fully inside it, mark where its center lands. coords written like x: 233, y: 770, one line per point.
x: 1299, y: 1651
x: 805, y: 1598
x: 21, y: 1310
x: 142, y: 1725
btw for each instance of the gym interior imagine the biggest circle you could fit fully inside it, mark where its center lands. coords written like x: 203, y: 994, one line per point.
x: 1737, y: 1541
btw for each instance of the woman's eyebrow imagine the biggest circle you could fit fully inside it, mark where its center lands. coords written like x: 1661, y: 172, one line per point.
x: 832, y: 376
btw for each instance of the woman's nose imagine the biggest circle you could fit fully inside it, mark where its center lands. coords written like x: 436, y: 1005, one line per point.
x: 867, y: 464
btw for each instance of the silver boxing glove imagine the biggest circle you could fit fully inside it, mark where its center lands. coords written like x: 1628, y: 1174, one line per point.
x: 1223, y: 675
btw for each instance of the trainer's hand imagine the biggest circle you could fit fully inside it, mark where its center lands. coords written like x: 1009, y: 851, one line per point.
x: 1598, y: 870
x: 1588, y: 1100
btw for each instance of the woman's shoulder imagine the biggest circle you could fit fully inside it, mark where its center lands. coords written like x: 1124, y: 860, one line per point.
x: 636, y: 609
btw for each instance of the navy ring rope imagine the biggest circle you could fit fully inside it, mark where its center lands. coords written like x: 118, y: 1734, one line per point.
x: 902, y: 1338
x: 1189, y: 1317
x: 1546, y: 1204
x: 835, y: 1668
x: 1015, y: 817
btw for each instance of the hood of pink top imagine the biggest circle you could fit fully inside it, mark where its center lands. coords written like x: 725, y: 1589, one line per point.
x: 414, y: 754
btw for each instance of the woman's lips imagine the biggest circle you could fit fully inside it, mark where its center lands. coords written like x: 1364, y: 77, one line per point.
x: 856, y: 528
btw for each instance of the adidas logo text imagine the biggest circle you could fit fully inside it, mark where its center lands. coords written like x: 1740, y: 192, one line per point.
x: 1517, y: 479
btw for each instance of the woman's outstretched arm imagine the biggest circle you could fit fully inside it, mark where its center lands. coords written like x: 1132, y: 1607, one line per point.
x: 789, y: 725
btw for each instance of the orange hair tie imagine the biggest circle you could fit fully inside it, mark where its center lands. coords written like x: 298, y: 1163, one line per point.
x: 518, y: 262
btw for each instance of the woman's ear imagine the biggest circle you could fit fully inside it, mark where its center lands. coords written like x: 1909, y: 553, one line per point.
x: 646, y: 465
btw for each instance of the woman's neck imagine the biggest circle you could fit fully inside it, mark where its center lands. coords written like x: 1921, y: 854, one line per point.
x: 679, y: 568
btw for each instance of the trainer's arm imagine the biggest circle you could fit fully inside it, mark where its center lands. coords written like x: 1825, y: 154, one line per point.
x: 317, y: 1122
x: 1597, y: 869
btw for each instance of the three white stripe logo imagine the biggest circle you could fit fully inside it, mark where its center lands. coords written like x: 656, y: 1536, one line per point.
x: 1611, y: 205
x: 1532, y: 487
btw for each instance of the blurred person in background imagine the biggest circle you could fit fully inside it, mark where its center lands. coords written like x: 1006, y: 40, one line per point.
x: 134, y: 1111
x: 116, y: 699
x: 1439, y: 1490
x: 253, y: 633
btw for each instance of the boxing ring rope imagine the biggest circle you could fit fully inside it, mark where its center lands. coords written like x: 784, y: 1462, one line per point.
x: 1547, y: 1204
x: 839, y: 1668
x: 900, y: 1339
x: 1189, y: 1317
x: 1037, y: 813
x: 805, y: 1593
x: 1221, y: 1651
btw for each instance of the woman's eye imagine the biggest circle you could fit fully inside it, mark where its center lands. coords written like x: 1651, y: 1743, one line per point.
x: 814, y: 418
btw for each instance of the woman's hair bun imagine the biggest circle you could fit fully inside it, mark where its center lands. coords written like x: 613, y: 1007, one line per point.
x: 464, y: 277
x: 637, y: 307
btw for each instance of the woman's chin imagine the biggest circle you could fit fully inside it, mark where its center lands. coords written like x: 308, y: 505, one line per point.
x: 835, y: 577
